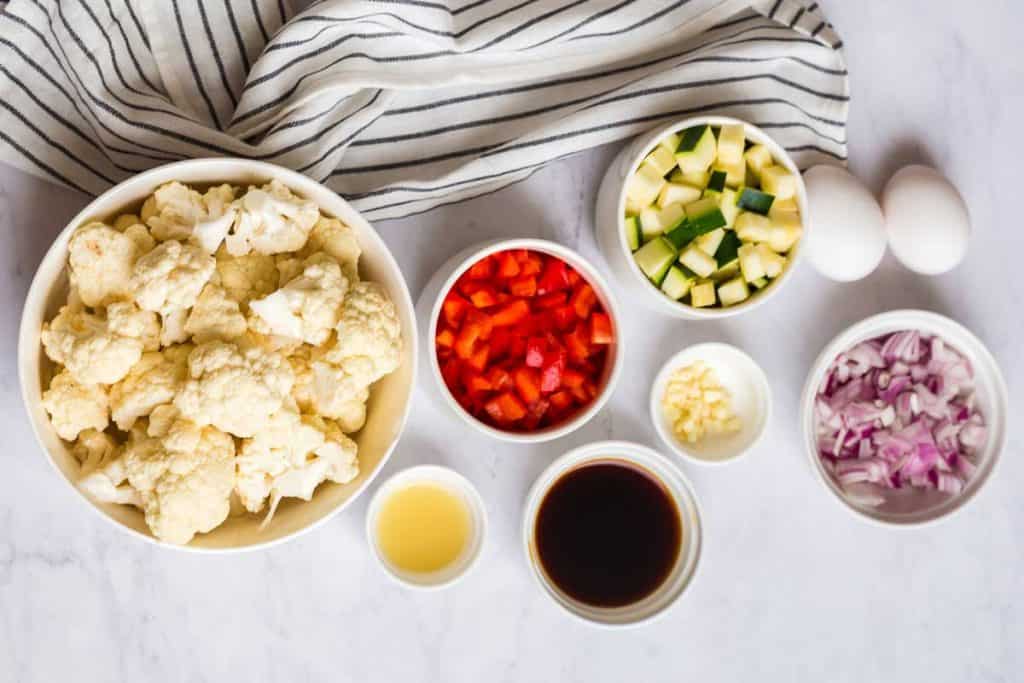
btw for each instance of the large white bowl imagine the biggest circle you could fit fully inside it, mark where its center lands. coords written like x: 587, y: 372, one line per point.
x: 429, y: 310
x: 389, y: 398
x: 914, y: 507
x: 611, y: 207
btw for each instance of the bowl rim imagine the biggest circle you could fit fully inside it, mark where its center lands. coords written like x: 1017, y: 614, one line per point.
x: 662, y: 377
x: 868, y: 328
x: 637, y: 454
x: 593, y: 277
x: 167, y: 173
x: 779, y: 154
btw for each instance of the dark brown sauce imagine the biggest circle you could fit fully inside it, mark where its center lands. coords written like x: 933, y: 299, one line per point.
x: 608, y: 533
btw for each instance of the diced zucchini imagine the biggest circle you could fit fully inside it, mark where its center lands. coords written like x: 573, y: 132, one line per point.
x: 633, y: 237
x: 678, y: 193
x: 778, y: 181
x: 785, y: 205
x: 727, y: 203
x: 650, y: 226
x: 698, y: 180
x: 676, y: 283
x: 644, y: 185
x: 758, y: 157
x: 633, y: 207
x: 717, y: 181
x: 670, y: 143
x: 731, y: 141
x: 772, y: 263
x: 709, y: 241
x: 661, y: 160
x: 728, y: 250
x: 655, y: 258
x: 726, y: 272
x: 755, y: 200
x: 750, y: 263
x: 783, y: 235
x: 697, y: 261
x: 697, y: 149
x: 654, y: 222
x: 733, y: 292
x: 735, y: 174
x: 702, y: 295
x: 705, y: 215
x: 759, y: 283
x: 752, y: 227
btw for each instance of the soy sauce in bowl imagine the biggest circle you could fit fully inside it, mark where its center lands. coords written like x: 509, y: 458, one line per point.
x: 608, y: 533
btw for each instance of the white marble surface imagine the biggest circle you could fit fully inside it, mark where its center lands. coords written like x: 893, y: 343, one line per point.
x: 791, y: 588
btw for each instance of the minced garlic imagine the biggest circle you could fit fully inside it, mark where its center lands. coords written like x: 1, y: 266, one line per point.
x: 697, y: 405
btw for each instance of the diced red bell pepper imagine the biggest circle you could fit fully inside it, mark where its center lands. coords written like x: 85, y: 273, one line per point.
x: 511, y: 313
x: 484, y: 297
x: 560, y: 400
x: 445, y: 338
x: 527, y: 384
x: 585, y: 392
x: 531, y: 265
x: 508, y: 266
x: 499, y: 378
x: 573, y: 378
x: 551, y: 372
x: 550, y: 301
x: 583, y: 300
x: 476, y: 326
x: 601, y: 329
x: 478, y: 361
x: 450, y: 373
x: 535, y: 414
x: 481, y: 270
x: 554, y: 278
x: 476, y: 383
x: 505, y: 407
x: 535, y: 349
x: 523, y: 286
x: 454, y: 308
x: 564, y: 317
x: 574, y: 277
x: 577, y: 342
x: 501, y: 342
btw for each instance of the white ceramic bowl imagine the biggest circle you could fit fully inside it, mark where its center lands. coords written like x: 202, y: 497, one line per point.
x: 750, y: 397
x: 912, y: 507
x: 429, y: 310
x: 389, y: 398
x: 611, y: 238
x: 690, y: 516
x: 453, y: 482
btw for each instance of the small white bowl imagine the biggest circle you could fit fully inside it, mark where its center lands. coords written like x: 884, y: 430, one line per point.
x: 750, y: 396
x: 678, y: 487
x: 453, y: 482
x: 429, y: 306
x: 913, y: 507
x: 390, y: 398
x: 611, y: 207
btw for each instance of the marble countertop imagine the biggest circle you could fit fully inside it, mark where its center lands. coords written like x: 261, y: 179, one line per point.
x: 791, y: 588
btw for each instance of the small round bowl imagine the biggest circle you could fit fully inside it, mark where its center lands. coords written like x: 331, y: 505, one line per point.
x: 453, y: 482
x: 690, y: 516
x: 390, y: 398
x: 611, y: 207
x: 912, y: 508
x: 429, y: 310
x: 750, y: 396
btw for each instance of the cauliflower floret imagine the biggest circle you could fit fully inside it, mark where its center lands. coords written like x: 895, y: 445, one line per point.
x: 139, y: 234
x: 307, y: 307
x: 333, y: 237
x: 103, y: 474
x: 90, y: 351
x: 75, y: 407
x: 271, y: 220
x: 128, y: 320
x: 247, y: 277
x: 184, y: 474
x: 172, y: 326
x: 171, y: 276
x: 289, y: 266
x: 101, y: 260
x: 125, y: 221
x: 177, y: 212
x: 234, y: 390
x: 152, y: 382
x: 215, y: 316
x: 368, y: 328
x: 338, y: 393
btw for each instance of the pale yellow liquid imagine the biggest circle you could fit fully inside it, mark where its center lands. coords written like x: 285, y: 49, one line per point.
x: 423, y: 528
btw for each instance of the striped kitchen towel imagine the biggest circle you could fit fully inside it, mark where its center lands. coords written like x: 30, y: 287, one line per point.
x: 400, y: 105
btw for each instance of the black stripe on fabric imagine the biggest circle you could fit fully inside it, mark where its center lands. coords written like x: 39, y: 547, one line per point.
x: 817, y: 29
x: 54, y: 143
x: 131, y: 51
x: 775, y: 8
x: 45, y: 167
x: 343, y: 142
x: 467, y: 7
x: 646, y: 20
x: 593, y: 17
x: 192, y: 64
x: 135, y: 20
x: 282, y: 11
x: 435, y: 5
x: 110, y: 48
x: 532, y: 22
x: 259, y: 21
x: 838, y: 45
x: 739, y: 19
x: 273, y: 47
x: 812, y: 7
x: 216, y: 53
x: 796, y: 18
x: 301, y: 143
x: 295, y: 123
x: 242, y: 52
x: 796, y: 124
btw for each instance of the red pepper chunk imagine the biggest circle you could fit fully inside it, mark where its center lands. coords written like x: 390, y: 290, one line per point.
x: 551, y: 373
x: 523, y: 286
x: 445, y: 338
x: 499, y: 379
x: 481, y: 270
x: 484, y: 297
x: 601, y: 329
x: 476, y: 326
x: 505, y: 407
x: 478, y: 361
x: 511, y: 313
x: 527, y: 384
x: 508, y: 266
x: 535, y: 348
x: 577, y: 343
x: 564, y: 317
x: 554, y: 278
x: 583, y: 300
x: 454, y: 308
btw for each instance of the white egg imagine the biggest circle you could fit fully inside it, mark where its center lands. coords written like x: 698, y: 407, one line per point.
x: 846, y: 239
x: 927, y: 220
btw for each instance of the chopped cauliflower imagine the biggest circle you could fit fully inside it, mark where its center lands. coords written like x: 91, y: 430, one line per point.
x: 215, y: 316
x: 152, y: 382
x: 103, y: 475
x: 139, y: 234
x: 247, y: 277
x: 271, y: 220
x: 75, y: 407
x: 338, y: 393
x: 181, y: 213
x: 128, y: 320
x: 172, y: 326
x: 338, y: 240
x: 368, y: 329
x: 90, y: 351
x: 234, y: 390
x: 171, y: 276
x: 100, y: 260
x: 125, y: 221
x: 184, y: 474
x: 307, y: 307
